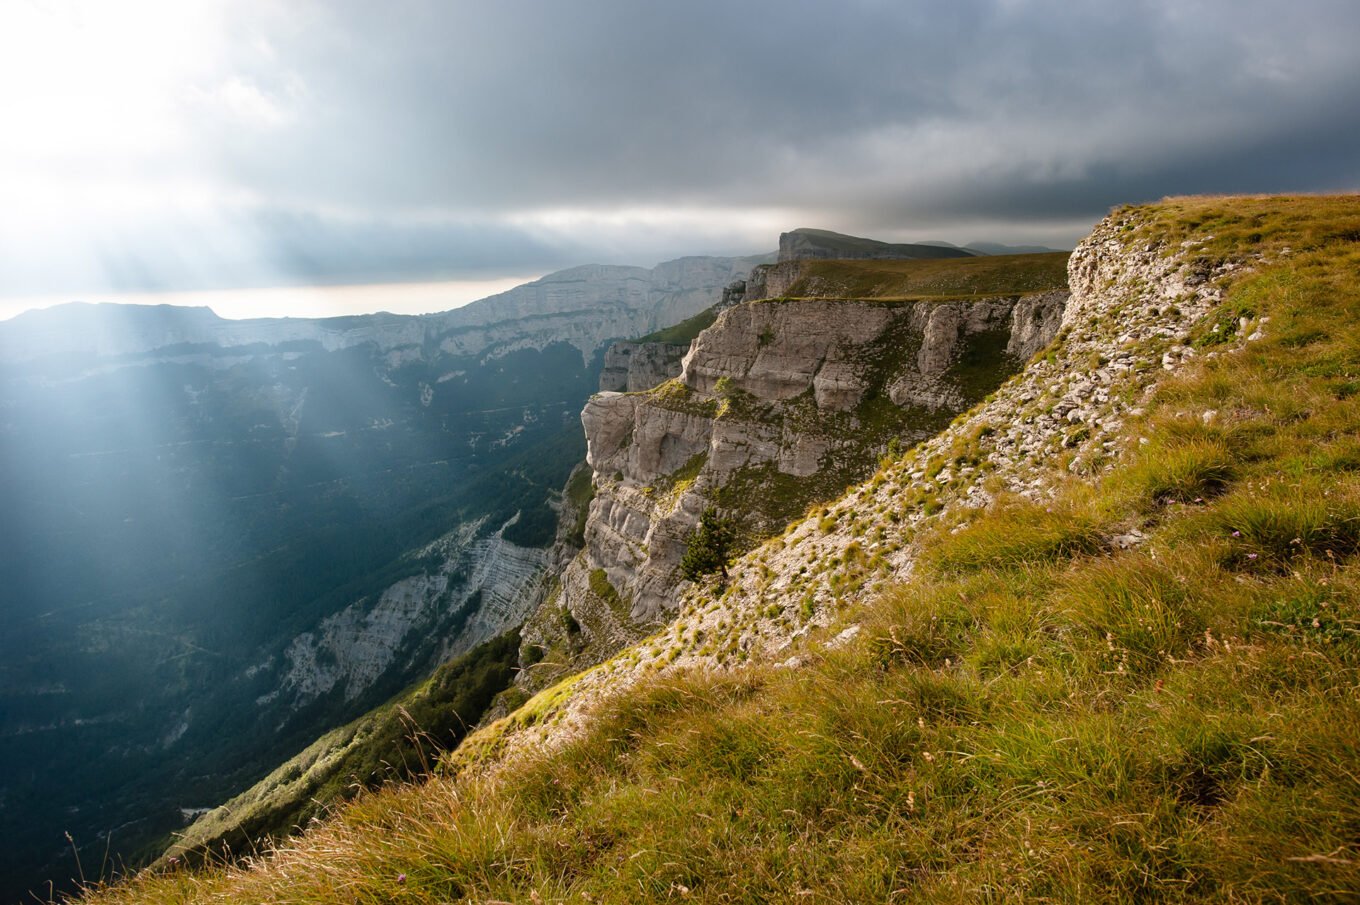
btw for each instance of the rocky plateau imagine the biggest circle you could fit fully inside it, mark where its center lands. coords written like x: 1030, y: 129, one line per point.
x: 780, y: 404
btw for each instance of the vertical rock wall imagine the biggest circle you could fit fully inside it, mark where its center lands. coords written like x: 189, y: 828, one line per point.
x: 779, y: 404
x: 631, y: 367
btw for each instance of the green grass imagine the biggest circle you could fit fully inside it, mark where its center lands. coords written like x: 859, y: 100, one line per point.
x: 932, y: 279
x: 1035, y: 716
x: 400, y: 740
x: 602, y: 588
x: 580, y: 491
x: 683, y: 333
x: 1235, y: 225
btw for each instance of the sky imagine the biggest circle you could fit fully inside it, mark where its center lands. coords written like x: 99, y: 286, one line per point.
x: 287, y: 156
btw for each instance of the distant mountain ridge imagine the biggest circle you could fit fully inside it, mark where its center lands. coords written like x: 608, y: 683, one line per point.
x: 997, y: 248
x: 224, y: 538
x: 584, y: 306
x: 804, y: 243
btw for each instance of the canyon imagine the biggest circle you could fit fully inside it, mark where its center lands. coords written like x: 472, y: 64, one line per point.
x: 215, y: 526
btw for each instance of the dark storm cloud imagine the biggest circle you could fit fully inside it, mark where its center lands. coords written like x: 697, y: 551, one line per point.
x: 273, y: 246
x: 428, y: 138
x: 524, y: 105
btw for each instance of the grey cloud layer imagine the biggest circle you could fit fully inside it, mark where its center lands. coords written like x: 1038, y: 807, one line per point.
x: 538, y: 104
x: 968, y: 119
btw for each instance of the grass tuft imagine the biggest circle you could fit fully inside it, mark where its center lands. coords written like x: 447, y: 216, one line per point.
x: 1018, y: 534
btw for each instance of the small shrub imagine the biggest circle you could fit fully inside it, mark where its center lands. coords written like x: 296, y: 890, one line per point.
x: 709, y: 548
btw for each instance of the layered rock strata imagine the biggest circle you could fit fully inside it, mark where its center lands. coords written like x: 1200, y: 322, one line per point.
x: 631, y: 367
x: 1132, y: 306
x: 779, y: 404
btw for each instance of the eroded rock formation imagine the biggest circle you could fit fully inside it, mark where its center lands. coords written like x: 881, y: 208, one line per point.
x: 779, y: 404
x: 631, y: 367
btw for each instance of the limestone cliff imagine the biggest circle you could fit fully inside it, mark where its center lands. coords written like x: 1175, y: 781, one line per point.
x: 1126, y: 323
x: 630, y: 367
x: 476, y: 588
x: 779, y: 404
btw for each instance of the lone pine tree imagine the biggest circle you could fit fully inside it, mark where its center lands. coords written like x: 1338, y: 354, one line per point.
x: 709, y: 547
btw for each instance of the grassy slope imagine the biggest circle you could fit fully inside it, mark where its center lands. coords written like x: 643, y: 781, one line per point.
x: 396, y: 741
x: 949, y: 278
x: 1034, y: 716
x: 683, y: 333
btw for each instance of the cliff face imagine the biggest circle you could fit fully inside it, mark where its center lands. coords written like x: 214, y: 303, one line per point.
x: 1125, y: 324
x: 477, y: 588
x: 631, y: 367
x: 779, y: 404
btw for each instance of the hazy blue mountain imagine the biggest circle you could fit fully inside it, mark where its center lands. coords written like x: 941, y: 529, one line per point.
x: 222, y: 538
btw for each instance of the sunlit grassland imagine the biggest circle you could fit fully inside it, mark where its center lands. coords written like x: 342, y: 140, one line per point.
x: 1037, y: 715
x: 946, y: 278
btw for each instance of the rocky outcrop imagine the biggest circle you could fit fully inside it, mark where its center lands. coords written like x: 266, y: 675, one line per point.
x: 1133, y: 304
x: 780, y: 404
x: 733, y: 294
x: 477, y: 588
x: 770, y: 281
x: 1131, y: 308
x: 631, y: 367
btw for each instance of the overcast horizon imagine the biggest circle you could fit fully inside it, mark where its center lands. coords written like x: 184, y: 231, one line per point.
x: 153, y: 149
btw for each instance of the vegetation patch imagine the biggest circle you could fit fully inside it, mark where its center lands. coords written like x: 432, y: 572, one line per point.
x: 397, y: 742
x: 1036, y: 715
x: 1018, y: 534
x: 603, y: 588
x: 580, y: 491
x: 683, y: 333
x: 710, y: 547
x: 676, y: 395
x: 946, y: 278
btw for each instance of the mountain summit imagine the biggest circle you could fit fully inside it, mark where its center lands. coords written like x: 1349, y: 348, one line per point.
x: 823, y: 243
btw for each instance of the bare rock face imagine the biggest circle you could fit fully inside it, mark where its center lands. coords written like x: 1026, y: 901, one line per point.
x: 776, y: 350
x: 1035, y: 320
x: 631, y: 367
x: 779, y: 404
x: 481, y: 587
x: 772, y: 281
